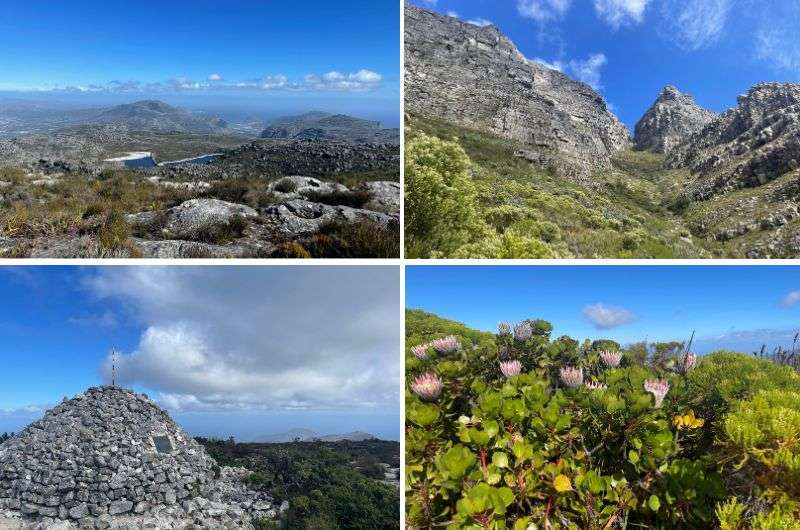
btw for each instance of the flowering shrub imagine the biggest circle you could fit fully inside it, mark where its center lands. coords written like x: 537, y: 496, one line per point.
x: 552, y: 434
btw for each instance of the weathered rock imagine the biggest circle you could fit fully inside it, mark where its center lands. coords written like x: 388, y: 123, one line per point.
x: 749, y: 145
x: 297, y: 187
x: 194, y: 218
x: 384, y: 196
x: 178, y: 249
x: 298, y: 218
x: 672, y: 119
x: 475, y: 77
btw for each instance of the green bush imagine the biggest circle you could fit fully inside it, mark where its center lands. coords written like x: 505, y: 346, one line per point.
x: 520, y: 430
x: 440, y: 199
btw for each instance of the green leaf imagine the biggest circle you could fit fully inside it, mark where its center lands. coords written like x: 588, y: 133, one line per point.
x: 654, y: 503
x: 422, y: 414
x: 500, y: 459
x: 456, y: 461
x: 633, y: 456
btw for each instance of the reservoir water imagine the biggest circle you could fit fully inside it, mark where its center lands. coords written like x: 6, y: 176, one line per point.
x: 146, y: 159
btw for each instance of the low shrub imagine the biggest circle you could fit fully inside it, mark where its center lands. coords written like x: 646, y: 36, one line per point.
x: 523, y: 431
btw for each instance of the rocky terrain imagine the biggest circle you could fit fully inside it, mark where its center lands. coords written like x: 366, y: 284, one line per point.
x: 475, y: 77
x: 692, y: 184
x: 325, y: 126
x: 110, y: 458
x: 672, y: 119
x: 264, y: 198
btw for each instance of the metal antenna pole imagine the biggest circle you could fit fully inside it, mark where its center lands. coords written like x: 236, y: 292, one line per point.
x: 113, y: 367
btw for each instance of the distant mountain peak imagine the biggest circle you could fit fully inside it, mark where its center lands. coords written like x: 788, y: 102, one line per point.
x: 326, y: 126
x: 308, y: 435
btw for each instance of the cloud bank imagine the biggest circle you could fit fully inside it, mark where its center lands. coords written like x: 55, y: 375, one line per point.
x: 259, y: 338
x: 620, y: 12
x: 361, y: 81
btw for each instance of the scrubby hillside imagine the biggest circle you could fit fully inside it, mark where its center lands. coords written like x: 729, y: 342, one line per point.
x: 520, y: 430
x: 507, y: 207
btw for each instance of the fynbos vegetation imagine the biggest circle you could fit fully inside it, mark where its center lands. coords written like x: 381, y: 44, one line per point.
x: 520, y: 430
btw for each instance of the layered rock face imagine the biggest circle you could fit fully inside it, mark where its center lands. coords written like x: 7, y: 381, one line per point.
x: 475, y: 77
x: 113, y: 453
x: 672, y: 119
x: 749, y: 145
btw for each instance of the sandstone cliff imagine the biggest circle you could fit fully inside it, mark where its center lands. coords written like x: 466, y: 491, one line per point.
x: 749, y: 145
x: 475, y: 77
x: 672, y: 119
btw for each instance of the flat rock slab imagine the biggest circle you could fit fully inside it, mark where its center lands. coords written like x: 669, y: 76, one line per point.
x: 385, y: 196
x: 192, y: 218
x: 298, y: 218
x: 175, y: 249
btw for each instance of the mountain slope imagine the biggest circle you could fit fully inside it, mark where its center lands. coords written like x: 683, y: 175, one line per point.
x: 325, y: 126
x: 307, y: 435
x: 154, y: 115
x: 672, y: 119
x: 475, y: 77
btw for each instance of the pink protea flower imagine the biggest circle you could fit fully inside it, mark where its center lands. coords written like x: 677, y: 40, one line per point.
x: 427, y: 386
x: 611, y: 358
x: 572, y: 377
x: 510, y: 368
x: 421, y: 351
x: 523, y: 332
x: 591, y: 385
x: 447, y: 344
x: 659, y: 389
x: 504, y: 328
x: 689, y: 361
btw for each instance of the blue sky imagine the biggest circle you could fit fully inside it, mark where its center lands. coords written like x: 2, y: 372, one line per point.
x: 241, y: 351
x: 321, y: 51
x: 629, y: 49
x: 729, y: 307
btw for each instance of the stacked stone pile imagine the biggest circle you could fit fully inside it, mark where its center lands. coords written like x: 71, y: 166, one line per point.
x: 110, y: 456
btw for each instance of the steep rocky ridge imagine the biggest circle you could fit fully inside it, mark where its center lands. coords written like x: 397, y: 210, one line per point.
x: 672, y: 119
x: 475, y: 77
x: 747, y: 146
x: 153, y: 115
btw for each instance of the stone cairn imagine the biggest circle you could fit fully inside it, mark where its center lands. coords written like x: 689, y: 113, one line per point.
x: 112, y: 456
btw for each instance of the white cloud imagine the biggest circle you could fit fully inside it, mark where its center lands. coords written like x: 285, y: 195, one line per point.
x: 620, y: 12
x: 607, y: 317
x: 480, y: 22
x: 259, y: 338
x: 588, y: 70
x: 694, y: 24
x: 791, y: 299
x: 555, y: 65
x: 451, y: 13
x: 543, y: 10
x: 359, y: 81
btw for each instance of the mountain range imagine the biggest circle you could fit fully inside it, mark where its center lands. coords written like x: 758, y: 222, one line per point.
x: 307, y: 435
x: 325, y: 126
x: 689, y: 183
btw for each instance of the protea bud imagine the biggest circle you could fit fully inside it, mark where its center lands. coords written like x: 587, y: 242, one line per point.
x: 591, y: 385
x: 659, y: 389
x: 427, y: 386
x: 689, y: 361
x: 504, y: 328
x: 523, y: 332
x: 421, y: 351
x: 447, y: 344
x: 572, y: 377
x: 611, y: 358
x: 510, y: 368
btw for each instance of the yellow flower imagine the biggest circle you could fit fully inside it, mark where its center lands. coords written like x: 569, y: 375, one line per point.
x: 562, y: 483
x: 688, y: 421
